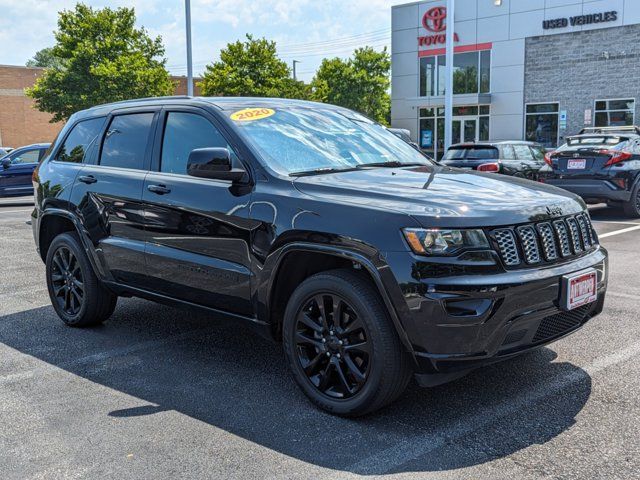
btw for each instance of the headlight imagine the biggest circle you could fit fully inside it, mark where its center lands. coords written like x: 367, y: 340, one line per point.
x: 434, y: 241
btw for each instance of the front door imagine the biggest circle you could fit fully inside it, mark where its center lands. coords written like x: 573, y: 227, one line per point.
x: 465, y: 129
x: 198, y: 229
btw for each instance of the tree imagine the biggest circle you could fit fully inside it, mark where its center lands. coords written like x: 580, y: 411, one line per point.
x: 360, y: 83
x: 46, y: 59
x: 104, y: 58
x: 251, y: 68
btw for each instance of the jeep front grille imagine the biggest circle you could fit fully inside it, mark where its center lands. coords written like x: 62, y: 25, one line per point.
x: 545, y: 242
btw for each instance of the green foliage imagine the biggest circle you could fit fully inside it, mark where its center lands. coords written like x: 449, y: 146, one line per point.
x: 251, y: 68
x: 46, y: 59
x: 360, y: 83
x: 103, y: 58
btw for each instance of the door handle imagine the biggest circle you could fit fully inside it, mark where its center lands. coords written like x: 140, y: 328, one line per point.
x: 159, y: 189
x: 87, y: 179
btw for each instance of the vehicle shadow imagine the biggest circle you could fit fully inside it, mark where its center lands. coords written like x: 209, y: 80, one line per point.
x: 222, y: 374
x: 611, y: 214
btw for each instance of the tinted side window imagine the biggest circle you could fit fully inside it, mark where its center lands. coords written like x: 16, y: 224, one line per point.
x: 25, y: 156
x: 508, y: 153
x: 125, y: 143
x: 523, y: 152
x: 482, y: 153
x: 81, y: 137
x: 185, y: 132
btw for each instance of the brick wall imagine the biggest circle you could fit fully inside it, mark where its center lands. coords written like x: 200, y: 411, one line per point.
x: 20, y: 123
x: 575, y: 69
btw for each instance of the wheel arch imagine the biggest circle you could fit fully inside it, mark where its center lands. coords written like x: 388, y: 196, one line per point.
x: 282, y: 280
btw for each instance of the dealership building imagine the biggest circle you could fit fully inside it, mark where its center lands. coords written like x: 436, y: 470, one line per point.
x: 523, y: 69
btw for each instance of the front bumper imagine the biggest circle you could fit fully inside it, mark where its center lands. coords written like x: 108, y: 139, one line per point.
x: 459, y: 323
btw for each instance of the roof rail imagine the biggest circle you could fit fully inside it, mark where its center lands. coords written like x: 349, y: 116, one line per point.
x: 621, y: 129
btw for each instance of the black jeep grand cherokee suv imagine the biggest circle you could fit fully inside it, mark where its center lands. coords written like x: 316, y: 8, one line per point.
x: 321, y: 229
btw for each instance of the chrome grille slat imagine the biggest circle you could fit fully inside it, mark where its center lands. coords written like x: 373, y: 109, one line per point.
x: 548, y: 241
x: 507, y: 245
x: 529, y: 244
x: 574, y: 234
x: 545, y: 242
x: 563, y: 237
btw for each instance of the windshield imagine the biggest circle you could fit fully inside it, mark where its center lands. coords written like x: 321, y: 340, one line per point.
x: 300, y: 139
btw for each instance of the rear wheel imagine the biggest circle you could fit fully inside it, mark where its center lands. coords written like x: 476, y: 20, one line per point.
x: 632, y: 207
x: 76, y: 294
x: 341, y: 346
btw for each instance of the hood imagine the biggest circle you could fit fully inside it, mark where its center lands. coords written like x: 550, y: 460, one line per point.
x: 439, y: 196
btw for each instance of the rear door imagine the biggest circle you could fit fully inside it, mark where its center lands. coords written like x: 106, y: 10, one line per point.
x: 16, y: 179
x: 108, y: 194
x: 198, y: 229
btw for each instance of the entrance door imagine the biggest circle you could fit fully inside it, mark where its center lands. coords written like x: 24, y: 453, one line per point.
x: 465, y: 129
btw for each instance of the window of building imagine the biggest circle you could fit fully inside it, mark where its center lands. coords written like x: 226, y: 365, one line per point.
x: 471, y: 122
x: 81, y: 137
x: 541, y: 123
x: 615, y: 113
x: 471, y: 73
x: 185, y: 132
x: 125, y: 144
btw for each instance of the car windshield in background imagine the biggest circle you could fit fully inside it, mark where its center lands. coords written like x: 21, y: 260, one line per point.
x: 302, y: 140
x: 474, y: 153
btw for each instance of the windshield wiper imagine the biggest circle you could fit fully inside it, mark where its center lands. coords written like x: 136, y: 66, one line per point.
x: 321, y: 171
x: 391, y: 163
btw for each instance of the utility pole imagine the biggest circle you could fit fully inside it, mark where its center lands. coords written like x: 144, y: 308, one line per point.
x: 294, y: 68
x: 448, y: 89
x: 187, y: 11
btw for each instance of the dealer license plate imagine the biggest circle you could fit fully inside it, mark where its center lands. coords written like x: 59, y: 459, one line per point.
x: 579, y: 289
x: 576, y: 164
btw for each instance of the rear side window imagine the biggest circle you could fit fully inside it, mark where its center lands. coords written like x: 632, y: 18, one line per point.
x: 125, y: 143
x: 508, y: 153
x: 523, y: 152
x: 80, y: 139
x: 185, y: 132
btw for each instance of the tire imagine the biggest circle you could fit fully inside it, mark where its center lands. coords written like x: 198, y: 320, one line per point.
x: 632, y: 207
x: 77, y: 296
x: 375, y: 367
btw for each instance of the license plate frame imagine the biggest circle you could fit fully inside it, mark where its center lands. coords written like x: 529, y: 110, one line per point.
x: 577, y: 164
x: 578, y: 289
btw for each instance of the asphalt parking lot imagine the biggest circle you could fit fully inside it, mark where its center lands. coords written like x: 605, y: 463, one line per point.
x: 163, y: 393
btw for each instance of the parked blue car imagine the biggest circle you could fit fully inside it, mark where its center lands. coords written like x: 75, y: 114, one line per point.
x: 16, y: 169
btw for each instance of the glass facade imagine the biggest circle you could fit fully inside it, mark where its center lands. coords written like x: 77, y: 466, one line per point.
x: 615, y: 113
x: 470, y: 124
x: 541, y: 124
x: 471, y: 73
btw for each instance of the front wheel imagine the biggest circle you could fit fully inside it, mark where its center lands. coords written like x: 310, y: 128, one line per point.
x: 76, y: 294
x: 341, y: 345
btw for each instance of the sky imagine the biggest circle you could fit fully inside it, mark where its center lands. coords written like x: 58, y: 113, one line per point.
x: 304, y: 30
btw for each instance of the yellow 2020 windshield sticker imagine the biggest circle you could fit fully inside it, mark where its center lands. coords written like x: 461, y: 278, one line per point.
x: 250, y: 114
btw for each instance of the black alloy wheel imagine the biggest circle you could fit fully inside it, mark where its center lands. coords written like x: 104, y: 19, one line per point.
x: 66, y: 279
x: 632, y: 207
x: 77, y: 295
x: 332, y: 345
x: 341, y: 345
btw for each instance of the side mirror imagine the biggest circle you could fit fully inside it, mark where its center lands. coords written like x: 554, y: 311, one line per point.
x: 6, y: 163
x: 213, y: 163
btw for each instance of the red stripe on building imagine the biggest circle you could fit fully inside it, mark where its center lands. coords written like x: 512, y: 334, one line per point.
x: 461, y: 49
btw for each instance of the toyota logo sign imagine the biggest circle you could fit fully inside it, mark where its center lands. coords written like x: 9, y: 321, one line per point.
x: 433, y: 19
